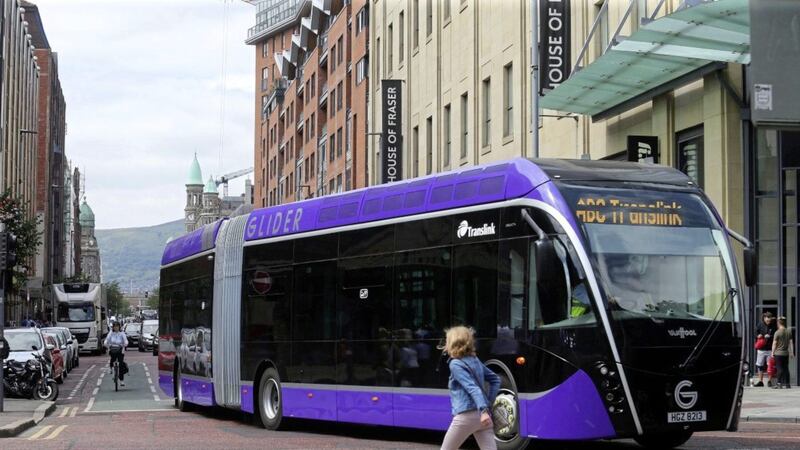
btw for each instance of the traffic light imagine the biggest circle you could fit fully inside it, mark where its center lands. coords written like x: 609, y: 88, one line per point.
x: 8, y: 250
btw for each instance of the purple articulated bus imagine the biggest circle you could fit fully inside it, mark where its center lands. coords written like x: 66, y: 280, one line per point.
x: 604, y: 294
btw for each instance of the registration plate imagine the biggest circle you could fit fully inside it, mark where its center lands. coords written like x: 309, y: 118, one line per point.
x: 686, y: 416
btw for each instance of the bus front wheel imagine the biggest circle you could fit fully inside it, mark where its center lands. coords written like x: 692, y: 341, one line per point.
x: 180, y: 402
x: 663, y: 441
x: 507, y: 404
x: 270, y: 401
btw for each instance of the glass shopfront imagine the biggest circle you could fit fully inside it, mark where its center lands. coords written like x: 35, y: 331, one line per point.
x: 775, y: 219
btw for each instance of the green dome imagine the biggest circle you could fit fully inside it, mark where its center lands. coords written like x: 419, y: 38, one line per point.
x: 86, y: 215
x: 211, y: 186
x: 195, y: 175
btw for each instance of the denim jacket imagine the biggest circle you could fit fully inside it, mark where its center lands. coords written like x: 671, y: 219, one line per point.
x: 465, y: 393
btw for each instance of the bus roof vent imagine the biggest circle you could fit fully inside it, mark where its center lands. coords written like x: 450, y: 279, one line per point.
x: 415, y: 199
x: 348, y: 210
x: 393, y: 202
x: 327, y: 214
x: 442, y: 194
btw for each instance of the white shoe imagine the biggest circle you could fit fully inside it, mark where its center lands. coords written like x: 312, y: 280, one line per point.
x: 122, y: 383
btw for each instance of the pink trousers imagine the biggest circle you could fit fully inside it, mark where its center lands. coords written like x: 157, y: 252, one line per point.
x: 465, y: 424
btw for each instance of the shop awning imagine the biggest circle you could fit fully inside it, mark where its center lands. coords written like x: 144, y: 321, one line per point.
x: 674, y: 49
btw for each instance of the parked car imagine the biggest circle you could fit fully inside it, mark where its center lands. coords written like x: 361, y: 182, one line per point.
x: 132, y: 333
x: 21, y: 342
x: 68, y: 345
x: 61, y: 344
x: 155, y: 344
x: 146, y: 333
x: 56, y: 356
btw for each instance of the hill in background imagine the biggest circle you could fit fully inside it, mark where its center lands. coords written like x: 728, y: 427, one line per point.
x: 133, y: 255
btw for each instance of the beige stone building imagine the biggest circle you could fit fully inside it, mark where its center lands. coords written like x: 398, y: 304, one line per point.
x: 663, y: 79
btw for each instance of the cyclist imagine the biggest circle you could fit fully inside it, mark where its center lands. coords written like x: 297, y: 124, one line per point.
x: 117, y: 342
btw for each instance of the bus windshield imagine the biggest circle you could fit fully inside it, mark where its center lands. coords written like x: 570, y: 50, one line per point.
x: 659, y: 254
x: 76, y: 312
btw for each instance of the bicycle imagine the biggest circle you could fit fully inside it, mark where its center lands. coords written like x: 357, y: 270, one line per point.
x: 115, y: 367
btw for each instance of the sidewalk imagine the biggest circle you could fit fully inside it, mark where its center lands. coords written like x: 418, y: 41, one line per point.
x: 21, y: 414
x: 761, y: 404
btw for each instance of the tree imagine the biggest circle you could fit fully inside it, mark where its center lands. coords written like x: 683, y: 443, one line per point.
x: 152, y: 300
x: 29, y: 238
x: 114, y: 298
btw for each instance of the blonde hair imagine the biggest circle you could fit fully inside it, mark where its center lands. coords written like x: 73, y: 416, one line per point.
x: 460, y: 342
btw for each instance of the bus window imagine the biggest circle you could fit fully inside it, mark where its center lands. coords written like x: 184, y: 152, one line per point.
x: 267, y: 304
x: 316, y: 248
x: 422, y: 291
x: 314, y: 301
x: 475, y: 287
x: 549, y: 312
x: 424, y: 233
x: 512, y: 277
x: 366, y: 242
x: 365, y: 306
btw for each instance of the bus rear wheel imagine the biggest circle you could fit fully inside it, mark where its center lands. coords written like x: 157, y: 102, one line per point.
x: 270, y: 401
x: 180, y: 402
x: 663, y: 441
x: 507, y: 403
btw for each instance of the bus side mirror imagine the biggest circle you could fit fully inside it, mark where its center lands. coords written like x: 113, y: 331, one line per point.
x: 550, y: 272
x: 750, y: 266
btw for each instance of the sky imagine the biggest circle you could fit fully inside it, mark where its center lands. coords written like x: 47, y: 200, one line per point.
x: 143, y: 82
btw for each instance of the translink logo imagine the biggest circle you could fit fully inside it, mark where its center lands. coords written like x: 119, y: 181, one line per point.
x: 464, y: 230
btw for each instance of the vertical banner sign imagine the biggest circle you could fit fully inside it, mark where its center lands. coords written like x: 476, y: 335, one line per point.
x: 554, y: 40
x: 392, y: 138
x: 643, y: 149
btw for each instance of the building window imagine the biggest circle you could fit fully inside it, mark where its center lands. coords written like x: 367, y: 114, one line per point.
x: 690, y: 153
x: 339, y: 96
x: 264, y: 78
x: 339, y: 183
x: 313, y: 90
x: 429, y: 17
x: 362, y: 20
x: 265, y: 49
x: 429, y: 146
x: 339, y: 50
x: 332, y: 107
x: 389, y: 49
x: 415, y: 152
x: 447, y: 136
x: 446, y: 9
x: 361, y: 70
x: 331, y: 189
x: 486, y: 119
x: 464, y: 124
x: 401, y: 37
x: 378, y: 57
x: 415, y: 19
x: 332, y: 65
x: 339, y: 143
x: 332, y: 147
x: 508, y: 101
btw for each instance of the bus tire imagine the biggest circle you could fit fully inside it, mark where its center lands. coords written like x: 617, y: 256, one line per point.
x: 663, y: 441
x: 180, y: 402
x: 270, y: 400
x: 507, y: 397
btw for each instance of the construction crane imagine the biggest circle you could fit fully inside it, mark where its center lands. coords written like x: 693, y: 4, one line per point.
x: 223, y: 180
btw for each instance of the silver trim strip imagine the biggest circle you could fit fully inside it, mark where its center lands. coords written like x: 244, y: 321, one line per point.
x: 350, y: 388
x: 245, y: 383
x: 197, y: 378
x: 188, y: 258
x: 165, y: 373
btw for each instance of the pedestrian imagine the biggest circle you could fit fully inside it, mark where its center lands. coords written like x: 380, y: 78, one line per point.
x: 470, y: 404
x: 765, y: 333
x: 782, y: 347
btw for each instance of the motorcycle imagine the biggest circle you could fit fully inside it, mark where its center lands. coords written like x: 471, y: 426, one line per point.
x: 30, y: 379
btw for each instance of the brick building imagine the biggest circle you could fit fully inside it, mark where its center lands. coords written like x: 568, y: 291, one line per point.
x: 311, y: 98
x: 50, y: 160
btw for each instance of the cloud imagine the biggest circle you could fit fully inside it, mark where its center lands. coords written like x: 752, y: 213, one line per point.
x: 142, y: 81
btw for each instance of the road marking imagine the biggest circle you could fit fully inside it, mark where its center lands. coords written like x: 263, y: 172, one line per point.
x: 155, y: 397
x: 74, y: 411
x: 55, y: 432
x: 80, y: 382
x: 153, y: 389
x: 64, y: 412
x: 114, y: 411
x: 95, y: 391
x: 44, y: 430
x: 89, y: 405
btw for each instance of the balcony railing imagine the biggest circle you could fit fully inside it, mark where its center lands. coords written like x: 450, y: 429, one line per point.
x: 272, y: 13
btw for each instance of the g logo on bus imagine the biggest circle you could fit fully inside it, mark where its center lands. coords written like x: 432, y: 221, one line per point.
x: 685, y: 399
